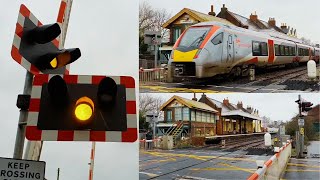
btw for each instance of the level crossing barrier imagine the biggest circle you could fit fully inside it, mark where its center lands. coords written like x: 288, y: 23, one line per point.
x: 275, y: 166
x: 149, y: 144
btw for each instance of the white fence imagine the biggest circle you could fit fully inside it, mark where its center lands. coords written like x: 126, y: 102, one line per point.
x: 152, y: 75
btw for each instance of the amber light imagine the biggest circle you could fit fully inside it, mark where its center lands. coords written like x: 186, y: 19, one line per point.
x: 84, y: 109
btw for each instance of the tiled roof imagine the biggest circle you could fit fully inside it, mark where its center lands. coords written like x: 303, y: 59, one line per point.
x: 189, y: 103
x: 201, y: 17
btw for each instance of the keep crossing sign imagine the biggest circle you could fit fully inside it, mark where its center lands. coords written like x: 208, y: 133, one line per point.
x: 16, y: 169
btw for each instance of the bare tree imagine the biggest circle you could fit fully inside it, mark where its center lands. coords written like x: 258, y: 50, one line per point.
x: 152, y: 19
x: 148, y: 104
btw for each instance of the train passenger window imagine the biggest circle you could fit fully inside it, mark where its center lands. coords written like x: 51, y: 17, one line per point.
x: 256, y: 48
x: 277, y: 49
x: 286, y: 50
x: 282, y: 50
x: 293, y: 51
x: 217, y: 39
x: 300, y: 52
x: 290, y: 51
x: 306, y: 52
x: 264, y: 49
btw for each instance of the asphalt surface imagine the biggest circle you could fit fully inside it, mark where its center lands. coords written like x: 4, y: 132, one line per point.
x: 303, y: 169
x: 183, y: 88
x: 200, y: 164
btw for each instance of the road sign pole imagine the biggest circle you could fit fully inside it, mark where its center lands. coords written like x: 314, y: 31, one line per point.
x: 63, y: 20
x: 156, y: 51
x: 20, y: 137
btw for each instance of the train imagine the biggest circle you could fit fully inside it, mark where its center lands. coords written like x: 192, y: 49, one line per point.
x: 211, y: 49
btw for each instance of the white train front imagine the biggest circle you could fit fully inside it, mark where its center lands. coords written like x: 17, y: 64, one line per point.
x: 211, y: 48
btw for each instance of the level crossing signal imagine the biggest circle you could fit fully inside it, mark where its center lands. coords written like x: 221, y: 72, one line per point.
x: 306, y: 106
x: 80, y: 107
x: 35, y: 46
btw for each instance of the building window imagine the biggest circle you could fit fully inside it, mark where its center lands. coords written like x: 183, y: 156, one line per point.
x: 203, y: 117
x: 193, y: 115
x: 178, y: 114
x: 218, y: 39
x: 186, y: 114
x: 176, y: 34
x: 198, y: 116
x: 169, y: 116
x: 208, y: 117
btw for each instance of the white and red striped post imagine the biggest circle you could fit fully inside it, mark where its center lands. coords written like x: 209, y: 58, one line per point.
x: 93, y: 149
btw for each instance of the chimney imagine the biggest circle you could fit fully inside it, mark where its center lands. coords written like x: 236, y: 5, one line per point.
x: 318, y: 45
x: 239, y: 105
x: 224, y: 9
x: 226, y: 101
x: 284, y: 28
x: 249, y: 109
x: 194, y: 97
x: 254, y: 17
x: 212, y: 13
x: 272, y: 22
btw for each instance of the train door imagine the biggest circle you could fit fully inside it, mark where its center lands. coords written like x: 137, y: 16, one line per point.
x: 230, y: 48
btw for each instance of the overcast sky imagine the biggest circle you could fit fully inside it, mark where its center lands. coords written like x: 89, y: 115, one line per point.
x: 273, y: 105
x: 107, y: 34
x: 301, y: 15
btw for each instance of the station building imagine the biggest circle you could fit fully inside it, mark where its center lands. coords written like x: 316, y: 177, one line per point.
x: 206, y: 117
x: 184, y: 116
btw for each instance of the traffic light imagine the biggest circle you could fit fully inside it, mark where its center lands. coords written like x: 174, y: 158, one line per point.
x: 70, y: 106
x: 306, y: 106
x: 38, y: 45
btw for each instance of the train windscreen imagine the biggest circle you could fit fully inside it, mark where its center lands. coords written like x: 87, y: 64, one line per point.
x: 193, y: 37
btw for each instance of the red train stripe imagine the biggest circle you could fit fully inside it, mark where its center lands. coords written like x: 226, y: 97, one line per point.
x: 40, y: 79
x: 131, y: 135
x: 34, y: 105
x: 97, y: 136
x: 131, y: 107
x: 211, y: 32
x: 127, y: 81
x: 271, y: 51
x: 33, y: 133
x: 65, y: 135
x: 252, y: 61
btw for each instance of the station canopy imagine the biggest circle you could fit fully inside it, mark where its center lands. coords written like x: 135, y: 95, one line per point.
x: 238, y: 114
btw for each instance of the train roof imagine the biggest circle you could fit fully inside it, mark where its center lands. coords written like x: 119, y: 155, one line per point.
x: 266, y: 33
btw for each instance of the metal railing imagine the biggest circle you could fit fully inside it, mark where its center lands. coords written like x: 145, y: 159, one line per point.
x: 152, y: 75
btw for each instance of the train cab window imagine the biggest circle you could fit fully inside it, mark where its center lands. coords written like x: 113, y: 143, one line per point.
x: 277, y: 49
x: 217, y: 39
x: 282, y: 50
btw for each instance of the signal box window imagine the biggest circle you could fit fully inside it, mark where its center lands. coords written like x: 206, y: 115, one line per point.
x: 176, y: 34
x: 218, y: 39
x: 169, y: 116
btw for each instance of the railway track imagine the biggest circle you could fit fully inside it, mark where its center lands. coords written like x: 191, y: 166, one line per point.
x: 241, y: 145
